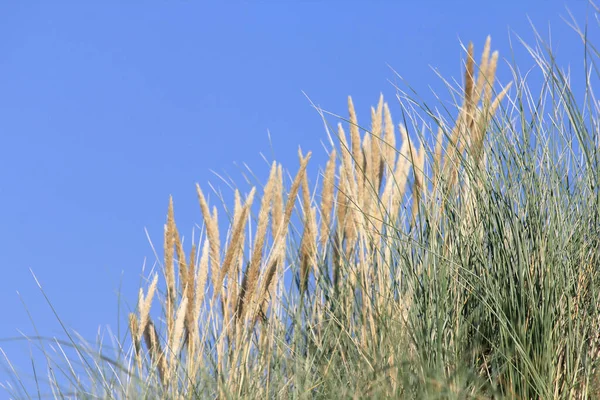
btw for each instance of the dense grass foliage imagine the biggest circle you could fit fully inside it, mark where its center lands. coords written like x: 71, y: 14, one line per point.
x: 428, y: 260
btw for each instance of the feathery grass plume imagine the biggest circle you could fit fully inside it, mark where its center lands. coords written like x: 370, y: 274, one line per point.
x: 181, y: 261
x: 483, y: 68
x: 355, y: 150
x: 376, y: 147
x: 156, y: 352
x: 175, y: 340
x: 308, y: 241
x: 327, y: 198
x: 137, y: 345
x: 169, y: 266
x: 348, y: 191
x: 144, y: 305
x: 190, y: 292
x: 237, y: 235
x: 277, y: 202
x: 212, y: 231
x: 251, y: 275
x: 201, y: 281
x: 367, y: 190
x: 278, y: 248
x: 490, y: 75
x: 395, y: 187
x: 389, y: 139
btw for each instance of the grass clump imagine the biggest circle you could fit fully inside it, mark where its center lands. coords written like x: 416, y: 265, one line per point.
x: 458, y: 263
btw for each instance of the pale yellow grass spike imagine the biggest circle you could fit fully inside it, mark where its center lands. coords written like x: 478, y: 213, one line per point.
x: 491, y: 77
x: 212, y: 232
x: 277, y: 202
x: 191, y: 338
x: 341, y: 201
x: 137, y: 347
x: 347, y: 159
x: 327, y: 198
x: 418, y: 184
x: 201, y: 281
x: 278, y: 249
x: 175, y: 339
x: 469, y: 79
x: 251, y: 274
x: 234, y: 273
x: 376, y: 146
x: 483, y: 67
x: 307, y: 244
x: 156, y: 353
x: 357, y: 155
x: 145, y: 303
x: 181, y: 262
x: 396, y: 185
x: 236, y: 236
x: 390, y: 139
x: 169, y: 266
x: 367, y: 189
x: 347, y: 191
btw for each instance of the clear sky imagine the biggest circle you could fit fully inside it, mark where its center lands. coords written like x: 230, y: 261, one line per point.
x: 107, y: 108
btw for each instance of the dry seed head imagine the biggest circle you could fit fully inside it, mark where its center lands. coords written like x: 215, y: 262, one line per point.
x: 201, y: 280
x: 390, y: 139
x: 376, y: 144
x: 212, y: 231
x: 483, y: 67
x: 355, y: 139
x: 490, y: 77
x: 156, y: 352
x: 137, y: 348
x: 277, y: 202
x: 251, y: 274
x: 190, y: 293
x: 307, y: 245
x: 145, y: 305
x: 175, y: 340
x: 182, y: 266
x: 236, y: 238
x: 327, y: 198
x: 169, y: 266
x: 469, y: 84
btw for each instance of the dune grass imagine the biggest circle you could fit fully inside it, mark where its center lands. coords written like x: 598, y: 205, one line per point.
x: 429, y: 259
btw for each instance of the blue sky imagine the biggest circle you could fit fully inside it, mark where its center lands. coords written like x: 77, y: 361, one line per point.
x: 107, y: 108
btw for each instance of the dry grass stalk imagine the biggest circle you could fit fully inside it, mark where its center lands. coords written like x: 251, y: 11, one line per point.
x: 156, y: 353
x: 169, y: 266
x: 277, y: 213
x: 240, y: 221
x: 389, y: 139
x: 137, y: 345
x: 278, y: 250
x: 356, y: 153
x: 190, y: 292
x: 393, y: 192
x: 376, y: 146
x: 144, y: 305
x: 308, y: 241
x: 175, y: 340
x: 251, y: 274
x: 327, y: 199
x: 212, y: 231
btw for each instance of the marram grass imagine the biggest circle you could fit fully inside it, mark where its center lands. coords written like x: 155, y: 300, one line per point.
x: 461, y: 263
